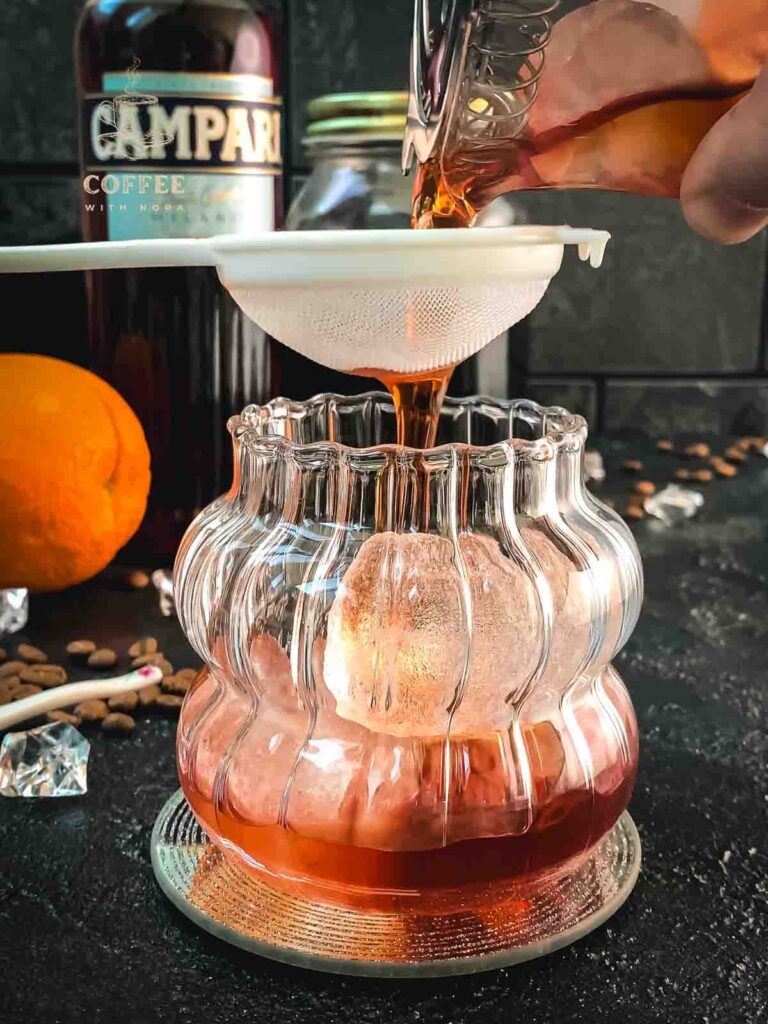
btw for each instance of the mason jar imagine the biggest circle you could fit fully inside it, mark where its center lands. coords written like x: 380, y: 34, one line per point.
x: 353, y: 143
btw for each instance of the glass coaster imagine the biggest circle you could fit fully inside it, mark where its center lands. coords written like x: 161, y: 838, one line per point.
x: 525, y: 923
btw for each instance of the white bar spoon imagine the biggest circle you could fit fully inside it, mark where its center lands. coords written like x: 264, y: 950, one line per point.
x: 73, y: 693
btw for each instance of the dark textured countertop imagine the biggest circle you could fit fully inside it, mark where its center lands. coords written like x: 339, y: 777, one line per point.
x: 86, y: 934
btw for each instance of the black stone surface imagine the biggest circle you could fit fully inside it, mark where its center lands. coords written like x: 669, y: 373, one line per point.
x: 659, y: 408
x: 39, y: 209
x: 343, y: 46
x: 665, y: 300
x: 579, y: 396
x: 37, y: 81
x: 86, y: 935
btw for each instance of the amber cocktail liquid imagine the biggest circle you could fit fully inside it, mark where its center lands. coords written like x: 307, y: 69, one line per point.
x: 563, y: 826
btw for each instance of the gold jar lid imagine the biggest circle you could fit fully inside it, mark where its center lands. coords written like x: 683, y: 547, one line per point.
x: 356, y: 117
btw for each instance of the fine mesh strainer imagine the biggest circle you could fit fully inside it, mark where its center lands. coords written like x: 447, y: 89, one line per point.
x: 399, y: 301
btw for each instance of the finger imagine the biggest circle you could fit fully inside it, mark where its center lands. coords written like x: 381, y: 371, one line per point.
x: 724, y: 191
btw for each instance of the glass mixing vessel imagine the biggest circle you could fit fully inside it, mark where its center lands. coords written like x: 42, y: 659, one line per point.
x: 612, y: 94
x: 408, y: 703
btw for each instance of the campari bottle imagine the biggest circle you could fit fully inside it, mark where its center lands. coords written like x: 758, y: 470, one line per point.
x: 180, y: 136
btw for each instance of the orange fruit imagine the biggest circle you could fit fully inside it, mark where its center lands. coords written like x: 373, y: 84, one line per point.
x: 74, y: 473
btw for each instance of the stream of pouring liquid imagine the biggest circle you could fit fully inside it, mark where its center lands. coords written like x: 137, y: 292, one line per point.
x: 418, y: 399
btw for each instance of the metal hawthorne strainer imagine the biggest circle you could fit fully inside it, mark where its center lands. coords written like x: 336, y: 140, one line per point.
x: 400, y: 301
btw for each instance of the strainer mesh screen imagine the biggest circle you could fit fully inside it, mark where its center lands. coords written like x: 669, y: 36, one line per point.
x: 389, y: 328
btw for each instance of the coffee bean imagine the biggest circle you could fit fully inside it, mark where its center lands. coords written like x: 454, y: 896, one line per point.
x: 63, y: 716
x: 137, y: 579
x: 80, y: 648
x: 124, y: 701
x: 92, y: 710
x: 102, y: 658
x: 733, y: 454
x: 9, y: 685
x: 43, y: 675
x: 148, y: 695
x: 664, y: 446
x: 188, y: 673
x: 633, y: 511
x: 176, y: 684
x: 11, y: 668
x: 752, y: 444
x: 25, y: 690
x: 30, y: 654
x: 118, y: 724
x: 645, y: 487
x: 147, y: 645
x: 697, y: 451
x: 6, y: 697
x: 703, y: 476
x: 147, y: 659
x: 633, y: 466
x: 169, y: 702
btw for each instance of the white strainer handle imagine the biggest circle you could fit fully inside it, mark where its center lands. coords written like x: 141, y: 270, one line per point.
x: 152, y: 252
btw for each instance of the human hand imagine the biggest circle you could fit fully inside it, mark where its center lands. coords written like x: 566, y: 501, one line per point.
x: 724, y: 191
x: 685, y: 47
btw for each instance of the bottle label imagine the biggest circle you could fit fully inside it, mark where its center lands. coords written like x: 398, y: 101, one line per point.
x: 181, y: 155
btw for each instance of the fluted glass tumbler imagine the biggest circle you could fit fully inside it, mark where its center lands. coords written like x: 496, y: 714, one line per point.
x: 408, y: 704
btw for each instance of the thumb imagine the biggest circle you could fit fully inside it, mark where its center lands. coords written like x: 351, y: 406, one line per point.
x: 724, y: 191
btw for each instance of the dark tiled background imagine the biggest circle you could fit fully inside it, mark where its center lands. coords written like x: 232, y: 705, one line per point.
x: 669, y: 336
